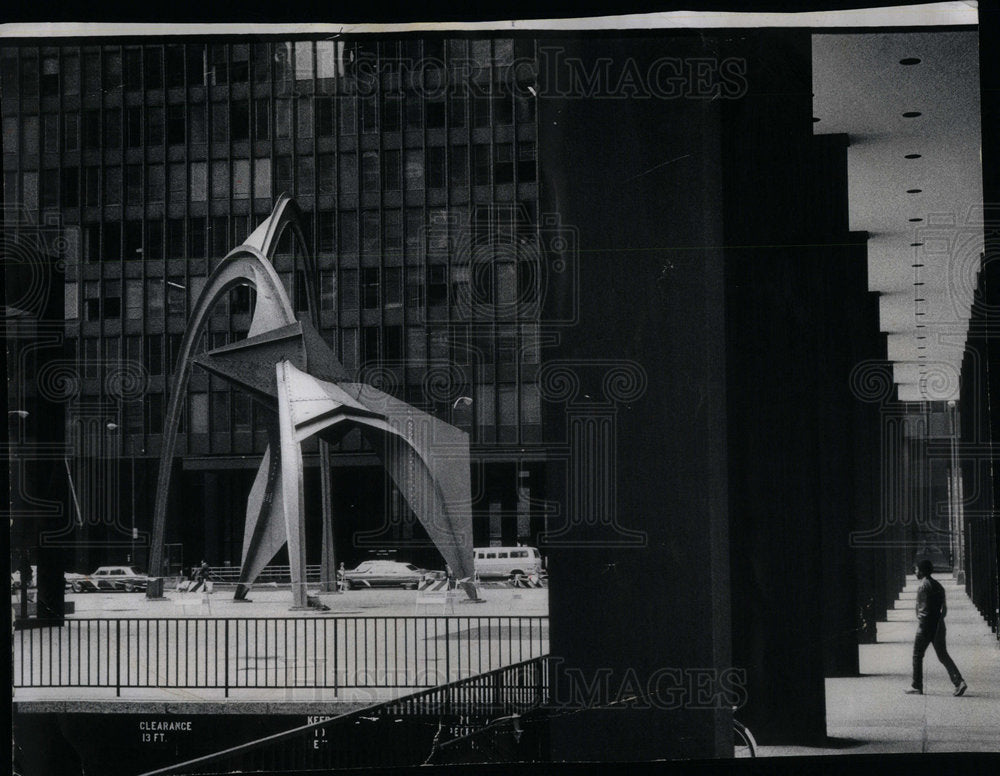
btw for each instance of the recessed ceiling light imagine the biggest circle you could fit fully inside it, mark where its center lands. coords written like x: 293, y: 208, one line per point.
x: 913, y: 191
x: 912, y: 156
x: 918, y: 284
x: 921, y: 325
x: 915, y: 245
x: 921, y: 336
x: 919, y: 299
x: 922, y: 355
x: 914, y: 220
x: 921, y: 347
x: 920, y: 313
x: 912, y: 114
x: 916, y: 265
x: 909, y: 61
x: 815, y: 120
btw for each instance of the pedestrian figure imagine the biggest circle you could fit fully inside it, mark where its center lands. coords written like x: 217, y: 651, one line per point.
x: 341, y: 581
x: 200, y: 576
x: 450, y: 575
x: 931, y: 610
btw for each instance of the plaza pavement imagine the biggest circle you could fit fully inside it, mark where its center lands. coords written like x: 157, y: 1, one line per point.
x: 871, y: 714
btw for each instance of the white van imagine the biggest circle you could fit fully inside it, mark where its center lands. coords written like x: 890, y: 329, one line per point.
x: 507, y: 561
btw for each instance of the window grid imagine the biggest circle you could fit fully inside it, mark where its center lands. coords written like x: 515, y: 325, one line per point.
x: 228, y: 107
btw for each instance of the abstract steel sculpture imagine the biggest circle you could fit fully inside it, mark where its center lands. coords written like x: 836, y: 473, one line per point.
x: 287, y: 368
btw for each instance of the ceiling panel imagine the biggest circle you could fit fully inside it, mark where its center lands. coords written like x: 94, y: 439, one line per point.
x: 909, y: 101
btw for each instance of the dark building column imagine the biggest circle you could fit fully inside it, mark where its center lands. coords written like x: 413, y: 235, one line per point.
x: 639, y: 583
x: 976, y: 449
x: 871, y: 386
x: 778, y: 424
x: 838, y: 289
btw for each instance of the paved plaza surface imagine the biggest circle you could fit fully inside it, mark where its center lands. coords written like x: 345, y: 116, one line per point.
x: 276, y: 601
x: 871, y: 714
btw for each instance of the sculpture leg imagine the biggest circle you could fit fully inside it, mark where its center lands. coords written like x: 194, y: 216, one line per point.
x: 291, y: 482
x: 328, y: 569
x: 264, y: 533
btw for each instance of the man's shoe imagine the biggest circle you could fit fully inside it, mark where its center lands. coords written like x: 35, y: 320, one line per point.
x: 961, y: 688
x: 915, y: 691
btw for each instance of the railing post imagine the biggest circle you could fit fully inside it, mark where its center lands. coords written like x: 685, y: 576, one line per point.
x: 226, y: 659
x: 447, y: 650
x: 118, y: 658
x: 336, y: 684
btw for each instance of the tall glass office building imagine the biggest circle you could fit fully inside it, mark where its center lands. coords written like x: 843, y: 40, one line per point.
x: 414, y: 164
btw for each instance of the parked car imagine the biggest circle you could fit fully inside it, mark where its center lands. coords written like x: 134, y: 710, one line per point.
x: 125, y: 578
x: 385, y: 573
x: 507, y: 561
x: 77, y: 582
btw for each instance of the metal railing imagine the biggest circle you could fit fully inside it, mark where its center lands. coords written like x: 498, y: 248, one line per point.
x: 413, y: 730
x: 278, y: 652
x: 281, y: 575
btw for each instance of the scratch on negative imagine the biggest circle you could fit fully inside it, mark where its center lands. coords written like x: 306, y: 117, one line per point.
x: 657, y: 167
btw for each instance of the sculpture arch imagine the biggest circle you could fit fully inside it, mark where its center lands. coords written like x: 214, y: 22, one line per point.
x: 285, y: 364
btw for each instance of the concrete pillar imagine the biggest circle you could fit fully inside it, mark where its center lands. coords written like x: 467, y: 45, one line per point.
x: 638, y: 557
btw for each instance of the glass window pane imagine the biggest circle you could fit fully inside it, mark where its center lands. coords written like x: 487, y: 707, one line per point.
x: 240, y: 120
x: 198, y: 123
x: 176, y: 125
x: 29, y: 184
x: 414, y: 169
x: 348, y: 173
x: 133, y: 299
x: 154, y: 126
x: 348, y: 290
x: 326, y: 174
x: 71, y: 74
x: 348, y: 115
x: 199, y: 181
x: 262, y: 178
x: 348, y: 232
x: 113, y: 185
x: 220, y: 180
x: 198, y: 406
x: 307, y: 176
x: 71, y: 133
x: 305, y: 117
x: 283, y: 118
x: 29, y: 134
x: 241, y: 179
x: 155, y: 183
x: 220, y: 122
x: 220, y: 411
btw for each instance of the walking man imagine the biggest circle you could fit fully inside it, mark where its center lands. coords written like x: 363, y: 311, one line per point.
x: 931, y: 611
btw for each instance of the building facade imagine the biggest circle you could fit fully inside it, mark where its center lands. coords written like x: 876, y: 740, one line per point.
x: 415, y: 165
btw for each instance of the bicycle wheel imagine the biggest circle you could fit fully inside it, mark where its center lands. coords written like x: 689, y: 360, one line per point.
x: 744, y: 744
